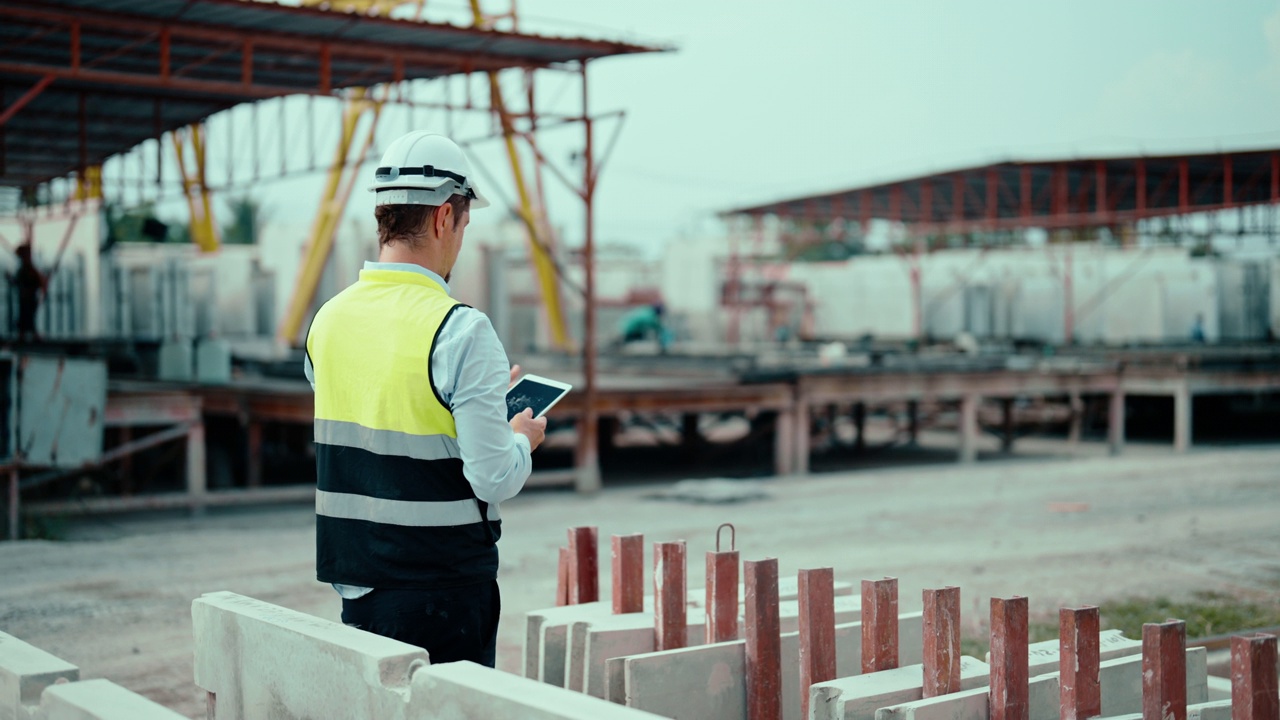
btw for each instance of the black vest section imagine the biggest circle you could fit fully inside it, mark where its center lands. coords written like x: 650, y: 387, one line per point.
x: 380, y: 555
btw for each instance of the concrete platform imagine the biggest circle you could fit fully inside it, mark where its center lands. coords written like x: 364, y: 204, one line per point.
x: 25, y: 672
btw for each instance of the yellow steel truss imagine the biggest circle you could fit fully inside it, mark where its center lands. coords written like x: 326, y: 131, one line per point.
x: 204, y: 232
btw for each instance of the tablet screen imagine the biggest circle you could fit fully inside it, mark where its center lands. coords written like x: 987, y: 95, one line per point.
x: 529, y: 393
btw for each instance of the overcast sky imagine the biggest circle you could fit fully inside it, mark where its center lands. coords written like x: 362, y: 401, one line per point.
x: 763, y: 100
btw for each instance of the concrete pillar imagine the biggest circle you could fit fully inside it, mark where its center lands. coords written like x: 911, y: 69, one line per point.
x: 1182, y: 419
x: 628, y: 574
x: 1009, y: 659
x: 913, y: 422
x: 968, y: 428
x: 817, y: 631
x: 879, y: 625
x: 860, y: 426
x: 1077, y: 420
x: 1006, y: 434
x: 942, y: 641
x: 670, y: 596
x: 14, y: 516
x: 783, y: 439
x: 1079, y: 657
x: 197, y: 483
x: 763, y: 641
x: 1253, y: 678
x: 584, y: 561
x: 1115, y: 422
x: 254, y: 453
x: 800, y: 465
x: 1164, y: 671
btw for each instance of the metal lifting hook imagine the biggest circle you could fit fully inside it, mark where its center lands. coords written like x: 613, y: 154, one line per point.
x: 733, y: 536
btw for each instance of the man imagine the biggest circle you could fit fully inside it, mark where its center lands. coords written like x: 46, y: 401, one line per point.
x: 413, y: 448
x: 30, y: 284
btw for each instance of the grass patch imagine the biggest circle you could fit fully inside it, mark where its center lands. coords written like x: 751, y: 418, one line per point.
x: 978, y: 646
x: 1206, y: 614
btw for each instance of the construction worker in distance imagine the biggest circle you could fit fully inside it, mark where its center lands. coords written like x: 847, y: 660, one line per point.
x: 413, y: 449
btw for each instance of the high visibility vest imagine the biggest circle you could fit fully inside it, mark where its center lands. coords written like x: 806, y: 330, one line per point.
x: 393, y: 509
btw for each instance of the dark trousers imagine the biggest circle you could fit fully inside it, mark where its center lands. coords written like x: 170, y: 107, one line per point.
x: 451, y: 624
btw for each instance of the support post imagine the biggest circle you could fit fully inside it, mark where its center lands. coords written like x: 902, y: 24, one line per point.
x: 913, y: 422
x: 1078, y: 663
x: 1006, y: 430
x: 968, y: 428
x: 783, y: 437
x: 562, y: 578
x: 197, y: 483
x: 1182, y: 419
x: 722, y: 596
x: 1115, y: 422
x: 879, y: 625
x: 588, y: 477
x: 860, y: 426
x: 1164, y: 671
x: 1253, y: 678
x: 817, y: 631
x: 670, y: 596
x: 254, y: 451
x: 1076, y: 425
x: 14, y: 516
x: 800, y: 464
x: 1009, y: 664
x: 628, y: 574
x: 942, y: 641
x: 690, y: 438
x: 584, y: 570
x: 764, y: 643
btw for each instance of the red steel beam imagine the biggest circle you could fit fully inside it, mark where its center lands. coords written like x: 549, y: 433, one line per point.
x: 722, y: 596
x: 1100, y: 187
x: 1164, y: 671
x: 1184, y: 188
x: 1009, y: 664
x: 584, y: 571
x: 1253, y: 678
x: 942, y: 641
x: 670, y: 596
x: 1140, y: 202
x: 1079, y: 654
x: 879, y: 625
x: 27, y: 97
x: 764, y: 640
x: 1227, y: 179
x: 817, y: 631
x: 628, y: 574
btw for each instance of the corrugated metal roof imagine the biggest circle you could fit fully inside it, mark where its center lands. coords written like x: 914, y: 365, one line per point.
x: 127, y: 99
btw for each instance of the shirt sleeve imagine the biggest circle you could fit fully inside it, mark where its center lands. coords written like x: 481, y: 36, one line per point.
x: 471, y: 373
x: 308, y: 370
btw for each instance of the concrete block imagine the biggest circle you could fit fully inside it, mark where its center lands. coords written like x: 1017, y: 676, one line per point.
x: 709, y: 681
x: 1121, y: 682
x: 25, y: 671
x: 265, y: 661
x: 1214, y: 710
x: 1042, y: 704
x: 591, y: 645
x: 99, y: 700
x: 1043, y: 657
x: 464, y: 691
x: 858, y: 697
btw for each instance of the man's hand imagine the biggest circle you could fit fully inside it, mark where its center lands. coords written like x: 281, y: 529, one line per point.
x: 515, y: 375
x: 535, y: 430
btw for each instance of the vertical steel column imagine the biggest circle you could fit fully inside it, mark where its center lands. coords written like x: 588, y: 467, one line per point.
x: 588, y: 479
x: 764, y: 643
x: 628, y: 574
x: 968, y: 428
x: 879, y: 625
x: 817, y: 631
x: 722, y: 592
x: 1115, y: 421
x: 1078, y: 659
x: 1009, y: 664
x: 197, y: 487
x: 584, y: 570
x: 1164, y: 671
x: 1182, y: 400
x: 1253, y: 678
x: 670, y: 596
x: 942, y: 641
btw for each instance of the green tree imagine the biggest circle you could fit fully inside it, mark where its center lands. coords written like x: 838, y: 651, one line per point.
x: 247, y: 218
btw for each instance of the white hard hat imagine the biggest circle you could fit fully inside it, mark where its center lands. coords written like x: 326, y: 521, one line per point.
x: 423, y: 168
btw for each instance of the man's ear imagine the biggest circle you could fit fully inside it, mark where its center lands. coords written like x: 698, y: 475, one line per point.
x: 441, y: 218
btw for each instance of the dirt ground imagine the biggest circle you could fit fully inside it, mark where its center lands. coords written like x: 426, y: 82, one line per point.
x: 114, y: 597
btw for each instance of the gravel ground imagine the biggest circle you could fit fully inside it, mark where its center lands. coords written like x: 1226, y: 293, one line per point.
x: 114, y: 597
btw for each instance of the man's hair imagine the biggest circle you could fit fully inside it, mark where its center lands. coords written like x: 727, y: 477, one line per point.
x: 409, y: 223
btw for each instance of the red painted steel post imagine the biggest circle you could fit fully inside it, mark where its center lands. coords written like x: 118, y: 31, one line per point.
x: 1009, y: 662
x: 1253, y: 678
x: 722, y: 593
x: 1164, y: 671
x: 562, y: 578
x: 879, y: 625
x: 584, y: 565
x: 817, y: 631
x: 628, y: 574
x: 1078, y: 659
x: 764, y: 642
x: 670, y: 592
x: 941, y: 641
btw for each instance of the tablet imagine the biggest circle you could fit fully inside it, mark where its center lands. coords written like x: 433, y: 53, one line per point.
x: 533, y: 391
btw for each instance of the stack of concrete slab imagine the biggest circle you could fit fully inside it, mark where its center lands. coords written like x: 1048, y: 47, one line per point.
x: 35, y: 685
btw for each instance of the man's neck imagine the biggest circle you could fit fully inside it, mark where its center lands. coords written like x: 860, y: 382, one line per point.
x: 422, y: 256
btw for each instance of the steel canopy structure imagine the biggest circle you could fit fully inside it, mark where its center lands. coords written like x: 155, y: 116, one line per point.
x: 83, y: 80
x: 1053, y: 194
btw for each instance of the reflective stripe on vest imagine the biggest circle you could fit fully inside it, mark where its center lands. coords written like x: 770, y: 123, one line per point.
x: 393, y: 508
